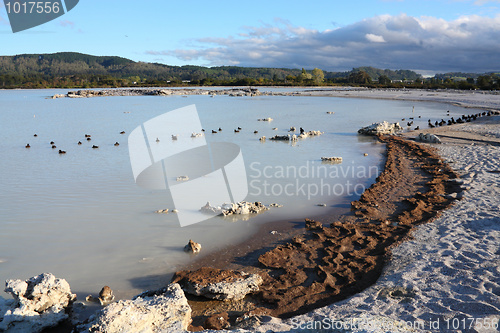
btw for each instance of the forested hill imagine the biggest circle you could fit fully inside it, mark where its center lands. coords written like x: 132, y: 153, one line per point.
x: 77, y: 69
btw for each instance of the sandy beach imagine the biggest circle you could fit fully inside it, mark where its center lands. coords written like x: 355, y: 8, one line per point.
x: 445, y: 276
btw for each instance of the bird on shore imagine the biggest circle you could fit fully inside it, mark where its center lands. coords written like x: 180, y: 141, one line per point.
x: 79, y: 142
x: 116, y: 143
x: 95, y: 147
x: 87, y: 135
x: 239, y: 128
x: 88, y: 139
x: 255, y: 132
x: 28, y: 146
x: 220, y: 129
x: 122, y: 132
x: 54, y: 147
x: 236, y: 131
x: 203, y: 130
x: 157, y: 140
x: 213, y: 132
x: 174, y: 137
x: 417, y: 128
x: 51, y: 142
x: 62, y: 151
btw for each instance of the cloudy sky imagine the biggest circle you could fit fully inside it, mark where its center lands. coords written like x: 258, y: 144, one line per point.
x: 428, y: 36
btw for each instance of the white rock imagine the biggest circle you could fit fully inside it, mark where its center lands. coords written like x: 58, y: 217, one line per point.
x: 161, y: 311
x: 428, y: 138
x: 223, y: 291
x: 239, y: 208
x: 381, y: 128
x: 39, y: 302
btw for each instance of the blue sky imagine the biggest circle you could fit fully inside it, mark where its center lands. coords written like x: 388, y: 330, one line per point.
x: 424, y: 35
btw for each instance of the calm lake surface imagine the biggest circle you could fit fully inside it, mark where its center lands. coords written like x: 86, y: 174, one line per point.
x: 82, y: 217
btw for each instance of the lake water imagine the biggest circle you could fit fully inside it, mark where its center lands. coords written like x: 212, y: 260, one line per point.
x: 82, y: 217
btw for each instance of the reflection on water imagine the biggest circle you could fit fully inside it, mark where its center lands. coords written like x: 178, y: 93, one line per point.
x: 81, y: 217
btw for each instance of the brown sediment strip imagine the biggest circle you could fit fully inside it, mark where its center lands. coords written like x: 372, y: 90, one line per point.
x: 330, y: 263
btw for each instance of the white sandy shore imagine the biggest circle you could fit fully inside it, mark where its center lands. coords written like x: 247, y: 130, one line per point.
x: 447, y: 279
x: 465, y: 98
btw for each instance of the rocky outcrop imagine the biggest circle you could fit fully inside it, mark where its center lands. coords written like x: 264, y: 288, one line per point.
x: 192, y: 247
x: 218, y: 284
x: 381, y: 128
x: 159, y: 92
x: 239, y: 208
x: 165, y: 310
x: 428, y: 138
x: 38, y: 303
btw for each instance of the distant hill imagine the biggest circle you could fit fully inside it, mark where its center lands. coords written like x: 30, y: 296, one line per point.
x: 62, y: 64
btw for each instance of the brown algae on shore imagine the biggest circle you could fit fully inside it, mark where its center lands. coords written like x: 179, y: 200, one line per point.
x: 329, y: 263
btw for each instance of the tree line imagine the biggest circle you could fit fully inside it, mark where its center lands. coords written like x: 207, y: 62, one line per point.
x: 76, y: 70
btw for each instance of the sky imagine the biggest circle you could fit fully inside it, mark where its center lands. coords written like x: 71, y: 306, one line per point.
x: 428, y: 36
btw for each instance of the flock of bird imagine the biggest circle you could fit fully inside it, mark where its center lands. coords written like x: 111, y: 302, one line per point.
x: 88, y: 137
x: 461, y: 120
x: 442, y: 122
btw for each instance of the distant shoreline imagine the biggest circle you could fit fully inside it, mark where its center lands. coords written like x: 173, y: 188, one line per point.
x: 480, y: 99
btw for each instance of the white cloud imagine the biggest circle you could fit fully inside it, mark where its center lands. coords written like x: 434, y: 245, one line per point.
x: 375, y: 38
x: 469, y: 43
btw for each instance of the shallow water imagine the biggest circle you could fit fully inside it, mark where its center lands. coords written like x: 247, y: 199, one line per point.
x: 81, y: 216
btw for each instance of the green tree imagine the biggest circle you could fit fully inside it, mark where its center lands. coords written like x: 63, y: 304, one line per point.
x: 360, y: 77
x: 384, y: 79
x: 318, y: 76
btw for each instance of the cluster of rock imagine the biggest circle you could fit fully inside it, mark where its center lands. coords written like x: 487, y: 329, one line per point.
x: 310, y: 133
x: 39, y: 302
x: 165, y: 211
x: 164, y: 310
x: 218, y: 284
x: 332, y: 159
x: 381, y: 128
x: 294, y: 137
x: 158, y: 92
x: 44, y: 301
x: 287, y: 137
x: 428, y: 138
x: 239, y: 208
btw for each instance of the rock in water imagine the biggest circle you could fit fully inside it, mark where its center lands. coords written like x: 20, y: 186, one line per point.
x: 218, y: 284
x: 106, y: 295
x: 165, y: 310
x: 39, y: 302
x: 192, y: 247
x: 381, y: 128
x: 239, y: 208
